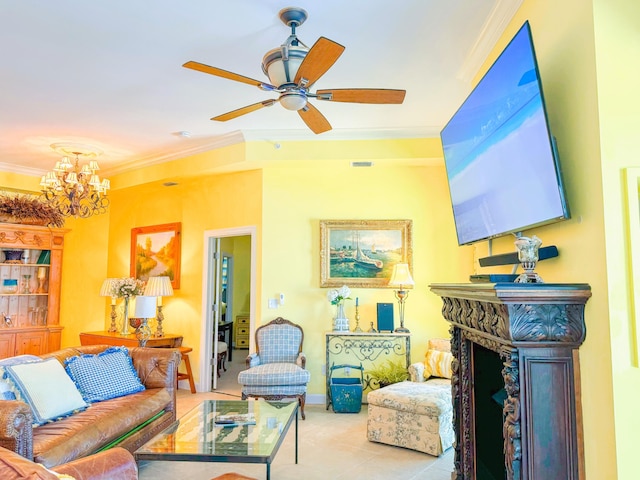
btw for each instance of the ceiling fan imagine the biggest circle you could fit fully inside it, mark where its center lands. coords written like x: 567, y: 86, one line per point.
x: 292, y: 69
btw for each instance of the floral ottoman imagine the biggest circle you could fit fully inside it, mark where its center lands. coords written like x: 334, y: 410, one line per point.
x: 415, y: 415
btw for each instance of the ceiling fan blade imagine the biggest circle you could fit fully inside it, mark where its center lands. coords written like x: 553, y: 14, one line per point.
x: 314, y: 119
x: 244, y: 110
x: 362, y: 95
x: 201, y: 67
x: 318, y: 60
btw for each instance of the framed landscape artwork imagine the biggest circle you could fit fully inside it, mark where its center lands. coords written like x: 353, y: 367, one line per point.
x: 155, y: 251
x: 362, y: 253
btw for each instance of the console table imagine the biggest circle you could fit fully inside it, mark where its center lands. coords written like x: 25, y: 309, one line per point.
x: 117, y: 339
x: 516, y: 378
x: 363, y: 347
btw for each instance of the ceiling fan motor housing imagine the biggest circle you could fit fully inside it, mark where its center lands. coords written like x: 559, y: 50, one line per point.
x: 281, y: 64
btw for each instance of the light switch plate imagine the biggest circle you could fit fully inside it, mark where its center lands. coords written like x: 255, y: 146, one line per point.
x: 273, y: 303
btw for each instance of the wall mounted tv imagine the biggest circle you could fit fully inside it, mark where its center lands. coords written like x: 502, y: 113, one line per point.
x: 499, y: 154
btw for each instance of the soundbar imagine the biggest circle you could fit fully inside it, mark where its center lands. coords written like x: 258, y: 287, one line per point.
x: 493, y: 278
x: 512, y: 258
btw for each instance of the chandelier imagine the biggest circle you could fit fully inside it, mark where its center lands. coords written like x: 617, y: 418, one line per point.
x: 72, y: 190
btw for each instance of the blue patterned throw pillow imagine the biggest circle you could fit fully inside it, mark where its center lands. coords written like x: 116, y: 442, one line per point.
x: 108, y: 374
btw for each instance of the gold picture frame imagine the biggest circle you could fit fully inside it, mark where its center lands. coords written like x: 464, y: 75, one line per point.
x: 155, y: 251
x: 362, y: 253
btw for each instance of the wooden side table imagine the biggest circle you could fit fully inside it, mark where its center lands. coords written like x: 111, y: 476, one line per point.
x: 117, y: 339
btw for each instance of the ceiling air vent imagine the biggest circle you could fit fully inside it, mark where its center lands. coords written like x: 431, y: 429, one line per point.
x: 362, y: 164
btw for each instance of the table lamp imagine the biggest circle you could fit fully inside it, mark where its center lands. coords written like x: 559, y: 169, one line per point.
x: 159, y: 287
x: 105, y: 291
x: 145, y: 309
x: 401, y: 278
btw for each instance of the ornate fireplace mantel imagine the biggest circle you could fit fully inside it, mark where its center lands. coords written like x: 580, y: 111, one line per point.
x: 536, y: 329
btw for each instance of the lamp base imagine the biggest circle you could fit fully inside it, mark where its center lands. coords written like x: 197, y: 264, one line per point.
x: 402, y: 330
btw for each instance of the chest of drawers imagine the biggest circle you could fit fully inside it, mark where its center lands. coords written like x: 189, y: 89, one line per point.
x: 241, y: 333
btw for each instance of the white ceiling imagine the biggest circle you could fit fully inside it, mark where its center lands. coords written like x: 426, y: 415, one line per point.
x: 109, y: 73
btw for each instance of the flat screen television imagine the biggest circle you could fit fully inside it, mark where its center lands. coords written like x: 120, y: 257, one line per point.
x: 500, y: 157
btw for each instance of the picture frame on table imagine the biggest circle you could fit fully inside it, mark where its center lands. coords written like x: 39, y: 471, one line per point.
x: 155, y: 251
x: 362, y: 253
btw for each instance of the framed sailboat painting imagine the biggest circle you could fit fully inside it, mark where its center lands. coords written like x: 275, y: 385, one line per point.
x: 362, y: 253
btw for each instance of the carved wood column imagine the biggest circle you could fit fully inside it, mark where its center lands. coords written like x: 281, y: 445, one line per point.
x: 536, y: 329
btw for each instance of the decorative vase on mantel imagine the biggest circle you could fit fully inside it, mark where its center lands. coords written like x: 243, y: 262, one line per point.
x: 341, y: 322
x: 125, y: 317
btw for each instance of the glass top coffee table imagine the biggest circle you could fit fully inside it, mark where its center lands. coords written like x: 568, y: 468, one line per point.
x: 196, y: 437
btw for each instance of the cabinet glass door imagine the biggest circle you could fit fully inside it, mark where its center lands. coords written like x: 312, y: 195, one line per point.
x: 24, y: 286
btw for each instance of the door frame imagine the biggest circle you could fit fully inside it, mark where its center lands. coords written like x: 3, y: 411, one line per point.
x: 207, y: 347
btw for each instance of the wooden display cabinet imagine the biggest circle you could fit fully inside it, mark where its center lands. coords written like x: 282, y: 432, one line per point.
x: 30, y: 276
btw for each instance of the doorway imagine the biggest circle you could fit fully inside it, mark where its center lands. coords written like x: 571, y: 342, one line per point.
x: 218, y: 245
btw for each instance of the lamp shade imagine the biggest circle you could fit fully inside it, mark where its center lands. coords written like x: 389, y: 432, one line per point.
x: 105, y: 291
x: 158, y: 287
x: 401, y: 276
x: 145, y: 307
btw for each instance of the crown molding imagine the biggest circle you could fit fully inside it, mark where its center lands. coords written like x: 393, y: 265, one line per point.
x: 497, y: 21
x: 196, y: 146
x: 11, y: 168
x: 342, y: 134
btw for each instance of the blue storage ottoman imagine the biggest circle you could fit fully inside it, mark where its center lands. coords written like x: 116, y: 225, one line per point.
x: 346, y: 392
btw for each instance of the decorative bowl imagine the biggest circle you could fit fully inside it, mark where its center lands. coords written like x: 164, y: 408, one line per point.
x: 13, y: 256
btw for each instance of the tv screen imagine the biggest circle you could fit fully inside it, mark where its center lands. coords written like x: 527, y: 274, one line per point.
x: 499, y: 154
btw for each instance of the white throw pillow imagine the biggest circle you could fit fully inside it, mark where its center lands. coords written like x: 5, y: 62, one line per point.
x: 7, y: 387
x: 47, y: 388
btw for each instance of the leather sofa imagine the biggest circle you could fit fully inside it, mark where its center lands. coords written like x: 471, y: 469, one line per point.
x: 128, y: 421
x: 116, y: 463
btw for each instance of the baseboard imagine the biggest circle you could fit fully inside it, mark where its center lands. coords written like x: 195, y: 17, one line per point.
x: 316, y: 399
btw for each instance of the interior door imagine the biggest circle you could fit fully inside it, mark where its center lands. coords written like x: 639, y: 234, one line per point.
x: 215, y: 293
x: 211, y: 274
x: 226, y: 288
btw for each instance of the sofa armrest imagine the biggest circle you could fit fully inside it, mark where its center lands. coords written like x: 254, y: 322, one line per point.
x: 416, y: 372
x: 108, y: 465
x: 16, y: 431
x: 301, y: 361
x: 158, y: 368
x: 16, y: 467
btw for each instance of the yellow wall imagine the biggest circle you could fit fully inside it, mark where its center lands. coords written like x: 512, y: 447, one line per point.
x: 591, y: 251
x: 296, y: 199
x: 290, y: 205
x: 99, y: 247
x: 585, y: 50
x: 617, y: 41
x: 239, y: 248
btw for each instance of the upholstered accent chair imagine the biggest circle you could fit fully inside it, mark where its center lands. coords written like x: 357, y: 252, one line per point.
x: 277, y: 368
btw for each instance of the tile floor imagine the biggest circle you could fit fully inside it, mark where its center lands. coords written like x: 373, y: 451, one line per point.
x: 331, y: 446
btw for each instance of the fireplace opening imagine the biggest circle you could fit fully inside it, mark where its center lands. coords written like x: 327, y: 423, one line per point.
x: 488, y: 400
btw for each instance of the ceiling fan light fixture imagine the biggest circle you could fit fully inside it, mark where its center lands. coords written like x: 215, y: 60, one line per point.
x: 281, y: 65
x: 293, y: 100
